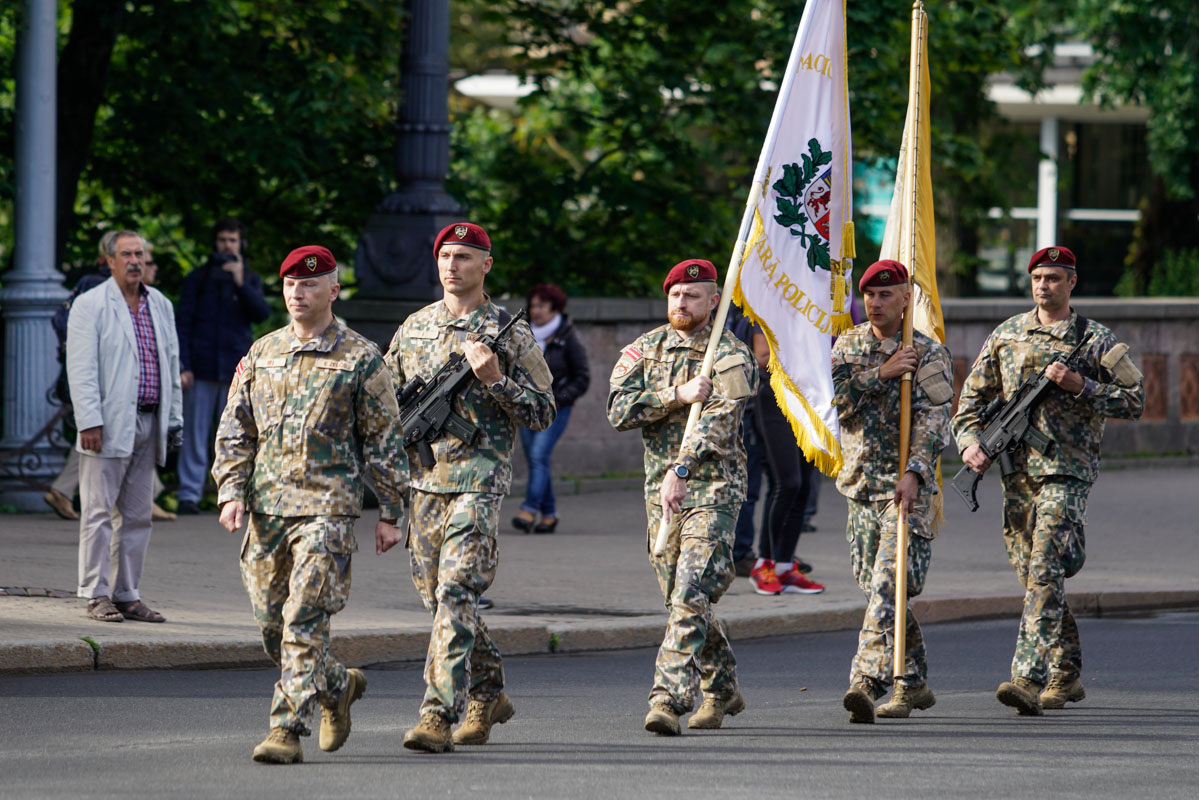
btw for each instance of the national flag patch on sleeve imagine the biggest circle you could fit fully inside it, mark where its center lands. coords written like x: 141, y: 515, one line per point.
x: 241, y: 366
x: 628, y: 358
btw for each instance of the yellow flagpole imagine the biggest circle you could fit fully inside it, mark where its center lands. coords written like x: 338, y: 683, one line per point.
x: 919, y: 22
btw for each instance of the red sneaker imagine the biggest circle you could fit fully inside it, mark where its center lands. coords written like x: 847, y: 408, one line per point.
x: 795, y: 582
x: 764, y: 579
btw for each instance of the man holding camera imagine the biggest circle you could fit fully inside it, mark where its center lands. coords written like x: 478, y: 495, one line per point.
x: 218, y: 304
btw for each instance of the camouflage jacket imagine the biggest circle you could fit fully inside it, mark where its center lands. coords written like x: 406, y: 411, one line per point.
x: 642, y: 395
x: 868, y: 409
x: 421, y: 346
x: 303, y: 423
x: 1020, y: 348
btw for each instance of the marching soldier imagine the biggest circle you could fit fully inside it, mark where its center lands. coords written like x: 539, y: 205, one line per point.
x: 456, y: 502
x: 652, y: 387
x: 868, y: 364
x: 1045, y: 496
x: 311, y: 408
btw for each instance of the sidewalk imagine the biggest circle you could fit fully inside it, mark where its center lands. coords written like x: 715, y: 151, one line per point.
x: 587, y: 587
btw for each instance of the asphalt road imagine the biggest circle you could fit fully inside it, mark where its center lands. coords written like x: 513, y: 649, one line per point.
x: 577, y: 733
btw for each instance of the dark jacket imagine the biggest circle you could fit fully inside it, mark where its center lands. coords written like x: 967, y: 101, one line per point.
x: 567, y: 360
x: 213, y: 318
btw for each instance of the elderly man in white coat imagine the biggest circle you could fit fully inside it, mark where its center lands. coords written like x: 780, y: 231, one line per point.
x: 123, y: 373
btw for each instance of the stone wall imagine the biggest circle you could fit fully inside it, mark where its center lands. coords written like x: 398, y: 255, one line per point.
x: 1163, y: 335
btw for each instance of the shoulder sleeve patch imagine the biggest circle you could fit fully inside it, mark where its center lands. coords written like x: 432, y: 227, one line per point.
x: 731, y: 377
x: 1120, y: 366
x: 625, y: 364
x: 534, y: 363
x: 728, y: 362
x: 932, y: 379
x: 381, y: 387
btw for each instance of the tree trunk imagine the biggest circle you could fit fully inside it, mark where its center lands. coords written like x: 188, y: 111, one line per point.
x: 1165, y: 225
x: 82, y: 75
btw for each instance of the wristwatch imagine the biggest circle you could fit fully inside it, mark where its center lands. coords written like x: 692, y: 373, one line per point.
x: 498, y: 386
x: 681, y: 471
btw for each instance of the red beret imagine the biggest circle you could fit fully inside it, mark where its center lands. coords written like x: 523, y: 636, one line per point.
x: 883, y: 273
x: 1052, y: 257
x: 307, y: 262
x: 466, y: 233
x: 693, y: 270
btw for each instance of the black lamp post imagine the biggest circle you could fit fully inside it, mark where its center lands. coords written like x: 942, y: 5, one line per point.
x: 394, y: 259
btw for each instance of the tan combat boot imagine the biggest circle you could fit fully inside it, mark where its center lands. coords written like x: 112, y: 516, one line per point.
x: 662, y: 720
x: 1021, y: 694
x: 859, y: 701
x: 335, y: 721
x: 1062, y: 690
x: 712, y: 713
x: 904, y: 699
x: 432, y: 734
x: 281, y: 746
x: 480, y: 716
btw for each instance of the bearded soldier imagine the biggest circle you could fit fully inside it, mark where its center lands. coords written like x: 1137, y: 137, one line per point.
x: 699, y: 492
x: 456, y: 501
x: 311, y: 410
x: 1045, y: 494
x: 868, y: 364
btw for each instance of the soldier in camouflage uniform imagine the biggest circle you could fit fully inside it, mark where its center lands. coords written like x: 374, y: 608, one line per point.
x: 456, y: 502
x: 1045, y: 496
x: 652, y: 387
x: 311, y: 409
x: 868, y: 364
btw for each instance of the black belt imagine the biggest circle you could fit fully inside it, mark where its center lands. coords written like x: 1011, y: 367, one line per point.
x: 147, y: 408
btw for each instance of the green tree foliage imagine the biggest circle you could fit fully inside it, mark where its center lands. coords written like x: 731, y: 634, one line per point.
x: 637, y: 145
x: 1148, y: 53
x: 632, y: 150
x: 275, y: 111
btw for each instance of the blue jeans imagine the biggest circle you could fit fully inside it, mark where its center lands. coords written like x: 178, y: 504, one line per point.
x: 539, y: 497
x: 202, y: 403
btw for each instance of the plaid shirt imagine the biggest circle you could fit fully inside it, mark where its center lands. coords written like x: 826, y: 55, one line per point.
x: 147, y: 351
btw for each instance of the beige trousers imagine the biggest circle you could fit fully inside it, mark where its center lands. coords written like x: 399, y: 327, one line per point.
x: 67, y: 481
x: 124, y: 485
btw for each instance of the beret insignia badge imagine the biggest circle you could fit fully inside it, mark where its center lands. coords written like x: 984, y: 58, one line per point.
x: 460, y: 231
x: 1054, y: 254
x: 693, y: 271
x: 310, y: 262
x: 884, y: 277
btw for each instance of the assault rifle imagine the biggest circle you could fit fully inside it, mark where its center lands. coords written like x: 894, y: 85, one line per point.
x: 1009, y: 425
x: 427, y: 409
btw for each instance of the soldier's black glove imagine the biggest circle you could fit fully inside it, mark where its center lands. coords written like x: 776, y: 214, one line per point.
x: 174, y: 439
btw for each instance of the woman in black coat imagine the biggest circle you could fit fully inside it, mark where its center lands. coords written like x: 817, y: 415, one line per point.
x: 567, y: 360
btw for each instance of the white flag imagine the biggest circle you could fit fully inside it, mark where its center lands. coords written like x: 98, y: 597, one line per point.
x: 795, y: 269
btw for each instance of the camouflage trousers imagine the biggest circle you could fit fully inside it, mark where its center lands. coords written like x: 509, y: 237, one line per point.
x: 1043, y: 520
x: 452, y: 543
x: 871, y: 533
x: 694, y: 572
x: 297, y: 573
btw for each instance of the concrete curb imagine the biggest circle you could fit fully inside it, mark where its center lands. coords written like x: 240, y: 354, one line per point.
x: 556, y: 637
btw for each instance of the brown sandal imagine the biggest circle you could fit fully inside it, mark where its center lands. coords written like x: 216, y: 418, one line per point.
x: 138, y: 611
x: 102, y: 609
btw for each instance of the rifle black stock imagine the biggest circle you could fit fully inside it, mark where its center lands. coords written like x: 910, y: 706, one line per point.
x: 427, y: 408
x: 1008, y: 425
